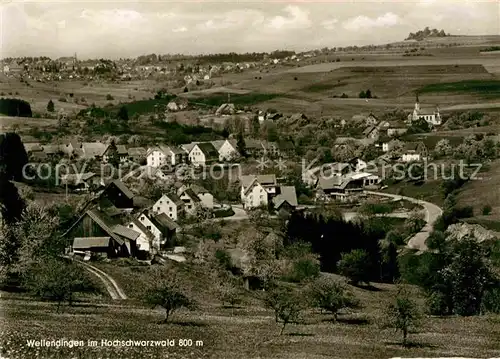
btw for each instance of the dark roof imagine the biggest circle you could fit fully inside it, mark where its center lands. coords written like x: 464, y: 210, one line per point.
x: 191, y: 194
x: 369, y: 130
x: 198, y: 189
x: 137, y: 151
x: 208, y: 149
x: 90, y: 242
x: 105, y: 223
x: 413, y: 146
x: 123, y: 188
x: 163, y: 222
x: 287, y: 194
x: 175, y: 198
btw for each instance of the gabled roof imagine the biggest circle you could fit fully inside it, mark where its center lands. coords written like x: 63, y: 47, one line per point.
x: 122, y: 187
x: 51, y: 149
x: 208, y: 149
x: 198, y: 189
x: 287, y: 194
x: 142, y: 228
x: 104, y: 223
x: 330, y: 182
x: 174, y: 198
x: 125, y: 232
x: 90, y: 242
x: 121, y: 149
x: 264, y: 180
x: 189, y: 146
x: 137, y: 151
x: 413, y: 146
x: 93, y: 149
x: 163, y: 222
x: 76, y: 178
x: 191, y: 194
x: 369, y: 130
x: 218, y: 144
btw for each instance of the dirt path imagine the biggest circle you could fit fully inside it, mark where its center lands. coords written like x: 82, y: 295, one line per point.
x: 432, y: 212
x: 112, y: 287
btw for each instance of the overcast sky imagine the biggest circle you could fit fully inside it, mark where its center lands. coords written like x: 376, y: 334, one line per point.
x: 130, y: 28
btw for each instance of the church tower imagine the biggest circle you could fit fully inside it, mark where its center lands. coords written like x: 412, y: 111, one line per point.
x: 417, y: 103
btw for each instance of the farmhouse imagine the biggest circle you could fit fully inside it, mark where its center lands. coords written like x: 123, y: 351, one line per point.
x: 414, y: 151
x: 165, y: 155
x: 137, y: 154
x: 121, y: 152
x: 191, y: 200
x: 162, y: 228
x: 256, y: 190
x: 227, y: 149
x: 96, y: 224
x: 119, y: 195
x: 81, y: 181
x: 286, y: 199
x: 171, y: 205
x: 203, y: 153
x: 93, y: 150
x: 339, y: 188
x: 371, y: 132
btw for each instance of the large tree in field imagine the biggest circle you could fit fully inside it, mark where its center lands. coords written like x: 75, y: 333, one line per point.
x: 13, y: 156
x: 168, y: 296
x: 403, y: 314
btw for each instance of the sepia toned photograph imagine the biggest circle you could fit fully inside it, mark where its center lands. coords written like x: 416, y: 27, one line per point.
x: 260, y: 179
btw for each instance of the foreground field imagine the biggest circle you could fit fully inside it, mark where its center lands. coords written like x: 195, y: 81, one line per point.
x: 249, y: 332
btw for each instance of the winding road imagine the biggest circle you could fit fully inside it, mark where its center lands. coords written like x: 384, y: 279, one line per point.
x: 432, y: 213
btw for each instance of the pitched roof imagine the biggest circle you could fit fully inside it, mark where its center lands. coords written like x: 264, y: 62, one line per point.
x: 189, y: 146
x: 125, y: 232
x: 413, y: 146
x: 123, y: 188
x: 369, y: 130
x: 287, y: 194
x: 93, y: 149
x: 121, y: 149
x: 174, y: 198
x: 163, y: 222
x: 208, y: 149
x: 329, y: 182
x: 51, y: 149
x: 191, y: 194
x: 142, y: 228
x: 218, y: 144
x: 76, y: 178
x: 198, y: 189
x: 103, y: 222
x: 90, y: 242
x: 264, y: 180
x: 137, y: 151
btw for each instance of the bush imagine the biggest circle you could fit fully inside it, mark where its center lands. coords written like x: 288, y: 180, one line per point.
x: 224, y: 259
x: 304, y: 269
x: 486, y: 210
x: 15, y: 107
x: 62, y: 99
x: 491, y: 300
x: 356, y: 266
x: 109, y: 97
x: 50, y: 106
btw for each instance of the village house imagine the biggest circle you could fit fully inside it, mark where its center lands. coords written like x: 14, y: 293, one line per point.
x: 342, y: 189
x: 96, y: 232
x: 227, y: 149
x: 371, y: 132
x: 203, y: 153
x: 285, y: 200
x: 81, y: 181
x: 171, y: 205
x: 206, y: 198
x: 137, y: 154
x: 119, y: 195
x: 414, y: 152
x: 257, y: 190
x: 146, y: 239
x: 161, y: 226
x: 93, y: 150
x: 121, y: 151
x: 191, y: 201
x: 164, y: 155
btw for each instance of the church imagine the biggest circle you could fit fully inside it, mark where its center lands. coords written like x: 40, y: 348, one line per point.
x: 431, y: 116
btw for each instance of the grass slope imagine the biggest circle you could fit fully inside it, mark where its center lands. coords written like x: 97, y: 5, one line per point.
x: 485, y: 88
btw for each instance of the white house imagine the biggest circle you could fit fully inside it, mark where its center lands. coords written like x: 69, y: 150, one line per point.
x: 171, y: 205
x: 145, y: 220
x: 146, y: 239
x: 164, y: 155
x: 203, y: 153
x: 227, y: 149
x: 414, y: 151
x: 257, y: 190
x: 191, y: 201
x: 205, y: 197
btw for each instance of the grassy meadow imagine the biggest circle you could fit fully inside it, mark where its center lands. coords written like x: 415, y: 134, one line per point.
x: 243, y: 332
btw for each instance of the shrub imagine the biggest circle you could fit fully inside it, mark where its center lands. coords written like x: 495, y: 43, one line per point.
x: 62, y: 99
x: 109, y: 97
x: 223, y: 258
x: 491, y: 300
x: 303, y: 269
x: 356, y: 266
x: 185, y: 89
x: 487, y: 210
x: 50, y: 106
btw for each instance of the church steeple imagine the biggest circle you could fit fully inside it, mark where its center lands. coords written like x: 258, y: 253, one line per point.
x: 417, y: 103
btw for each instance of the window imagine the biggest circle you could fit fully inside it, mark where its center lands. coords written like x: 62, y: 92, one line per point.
x: 161, y: 202
x: 169, y: 208
x: 157, y: 208
x: 189, y: 206
x: 148, y: 227
x: 142, y: 219
x: 130, y: 226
